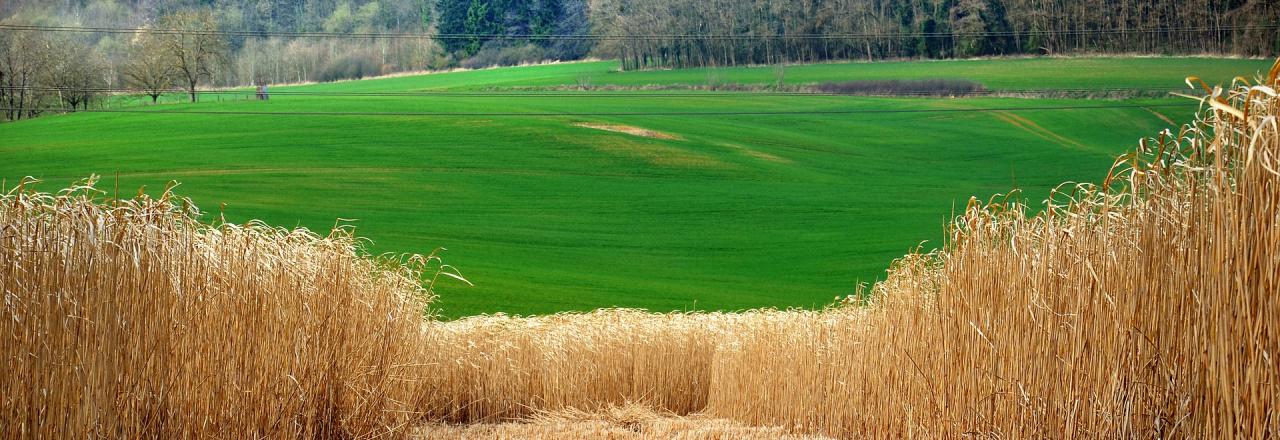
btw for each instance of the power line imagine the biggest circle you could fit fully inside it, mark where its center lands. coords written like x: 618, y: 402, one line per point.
x: 592, y: 114
x: 642, y: 37
x: 605, y: 93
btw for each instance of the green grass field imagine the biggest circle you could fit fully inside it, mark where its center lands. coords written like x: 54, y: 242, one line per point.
x: 544, y: 215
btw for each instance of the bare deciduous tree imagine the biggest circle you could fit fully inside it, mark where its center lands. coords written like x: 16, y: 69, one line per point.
x: 198, y: 50
x: 150, y: 66
x: 23, y: 58
x: 75, y: 73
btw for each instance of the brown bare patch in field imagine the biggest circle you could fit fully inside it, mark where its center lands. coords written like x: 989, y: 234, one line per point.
x: 1161, y: 116
x: 757, y: 153
x: 655, y: 153
x: 1030, y: 126
x: 631, y: 130
x: 663, y: 155
x: 475, y: 123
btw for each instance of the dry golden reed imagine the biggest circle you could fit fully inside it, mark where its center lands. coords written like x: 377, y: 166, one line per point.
x: 1147, y: 306
x: 134, y: 320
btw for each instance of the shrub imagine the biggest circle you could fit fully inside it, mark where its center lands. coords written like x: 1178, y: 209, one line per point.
x: 351, y: 66
x: 895, y: 87
x: 497, y: 55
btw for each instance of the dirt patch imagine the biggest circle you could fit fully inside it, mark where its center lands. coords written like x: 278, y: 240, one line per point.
x: 1161, y: 116
x: 631, y: 130
x: 756, y: 153
x: 1031, y: 127
x: 649, y: 150
x: 657, y: 153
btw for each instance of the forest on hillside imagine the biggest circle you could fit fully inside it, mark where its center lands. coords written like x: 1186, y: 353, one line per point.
x: 259, y: 43
x: 815, y: 30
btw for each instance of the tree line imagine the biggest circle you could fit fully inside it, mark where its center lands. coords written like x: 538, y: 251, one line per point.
x: 38, y: 72
x: 637, y: 31
x: 43, y: 71
x: 258, y: 52
x: 782, y: 31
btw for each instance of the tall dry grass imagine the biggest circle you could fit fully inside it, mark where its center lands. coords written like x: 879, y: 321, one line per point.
x: 134, y: 320
x: 1144, y: 307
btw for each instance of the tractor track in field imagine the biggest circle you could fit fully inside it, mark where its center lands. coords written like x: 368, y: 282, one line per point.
x: 1030, y: 126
